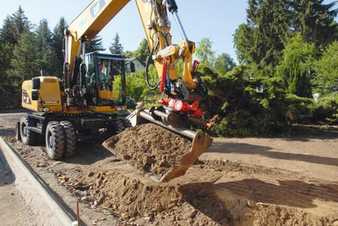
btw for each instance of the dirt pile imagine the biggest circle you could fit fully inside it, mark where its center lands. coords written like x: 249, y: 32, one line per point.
x: 150, y: 148
x: 210, y: 194
x: 138, y: 200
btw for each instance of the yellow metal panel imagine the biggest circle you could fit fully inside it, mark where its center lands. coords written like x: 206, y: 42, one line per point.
x: 27, y: 101
x: 49, y: 95
x: 102, y: 109
x: 105, y: 94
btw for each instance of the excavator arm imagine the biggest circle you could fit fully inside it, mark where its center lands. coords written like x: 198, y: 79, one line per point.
x: 154, y: 17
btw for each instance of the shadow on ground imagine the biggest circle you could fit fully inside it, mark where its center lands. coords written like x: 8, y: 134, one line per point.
x: 6, y: 174
x: 243, y: 148
x: 208, y: 198
x: 89, y: 154
x: 5, y: 132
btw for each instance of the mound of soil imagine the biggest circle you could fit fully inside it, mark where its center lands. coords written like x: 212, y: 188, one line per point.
x: 151, y: 148
x: 209, y: 194
x: 138, y: 200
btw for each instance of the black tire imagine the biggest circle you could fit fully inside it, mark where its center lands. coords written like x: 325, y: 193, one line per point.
x: 70, y: 138
x: 55, y: 140
x: 27, y: 136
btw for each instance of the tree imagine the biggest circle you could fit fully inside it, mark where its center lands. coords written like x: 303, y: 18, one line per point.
x: 95, y: 45
x: 296, y: 67
x: 142, y: 51
x: 224, y: 63
x: 315, y: 20
x: 116, y: 47
x: 5, y: 59
x: 205, y: 53
x: 46, y: 55
x: 57, y: 44
x: 14, y: 26
x: 327, y: 70
x: 261, y: 40
x: 243, y: 43
x: 24, y: 63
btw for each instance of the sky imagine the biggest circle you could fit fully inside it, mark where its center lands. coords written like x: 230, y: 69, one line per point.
x: 213, y: 19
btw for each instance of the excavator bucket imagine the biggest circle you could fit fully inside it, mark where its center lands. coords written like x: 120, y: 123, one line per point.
x: 200, y: 142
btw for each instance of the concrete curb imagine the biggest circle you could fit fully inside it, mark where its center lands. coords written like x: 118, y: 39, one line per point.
x: 35, y: 191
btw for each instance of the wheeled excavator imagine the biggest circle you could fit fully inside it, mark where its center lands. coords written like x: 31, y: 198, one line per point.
x: 87, y: 103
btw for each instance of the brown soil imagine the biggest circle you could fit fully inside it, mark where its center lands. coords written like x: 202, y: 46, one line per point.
x: 207, y: 195
x: 213, y: 192
x: 151, y: 148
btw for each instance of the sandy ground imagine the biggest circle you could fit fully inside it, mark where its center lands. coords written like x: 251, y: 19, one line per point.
x: 251, y: 181
x: 13, y: 210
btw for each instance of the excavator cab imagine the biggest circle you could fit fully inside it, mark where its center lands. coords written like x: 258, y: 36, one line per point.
x: 105, y: 79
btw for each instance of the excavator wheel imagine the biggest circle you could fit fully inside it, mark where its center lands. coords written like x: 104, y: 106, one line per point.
x: 27, y: 136
x: 55, y: 140
x: 70, y: 138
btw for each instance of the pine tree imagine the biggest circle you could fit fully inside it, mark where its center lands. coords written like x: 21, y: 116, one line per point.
x: 14, y: 26
x: 46, y: 55
x: 262, y: 39
x: 116, y: 46
x: 57, y: 44
x: 24, y: 63
x: 95, y: 45
x: 315, y: 20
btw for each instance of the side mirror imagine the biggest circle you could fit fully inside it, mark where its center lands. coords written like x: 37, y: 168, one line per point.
x: 35, y: 94
x: 36, y: 84
x: 132, y: 67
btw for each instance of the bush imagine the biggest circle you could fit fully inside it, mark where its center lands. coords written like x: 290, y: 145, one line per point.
x: 245, y: 105
x: 326, y: 110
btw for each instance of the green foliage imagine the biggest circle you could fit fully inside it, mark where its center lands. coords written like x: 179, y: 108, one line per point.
x: 14, y: 26
x: 245, y: 105
x: 326, y: 110
x: 46, y: 56
x: 95, y: 45
x: 57, y: 46
x: 142, y: 51
x: 243, y: 42
x: 204, y: 52
x: 24, y: 63
x: 315, y: 20
x: 271, y: 22
x: 326, y: 68
x: 296, y: 66
x: 261, y: 39
x: 5, y: 59
x: 137, y: 89
x: 306, y: 110
x: 224, y: 63
x: 116, y: 47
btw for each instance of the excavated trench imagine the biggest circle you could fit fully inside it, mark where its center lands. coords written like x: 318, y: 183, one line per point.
x: 211, y: 193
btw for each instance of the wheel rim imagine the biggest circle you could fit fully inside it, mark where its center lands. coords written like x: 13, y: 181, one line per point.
x: 50, y: 140
x: 24, y: 129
